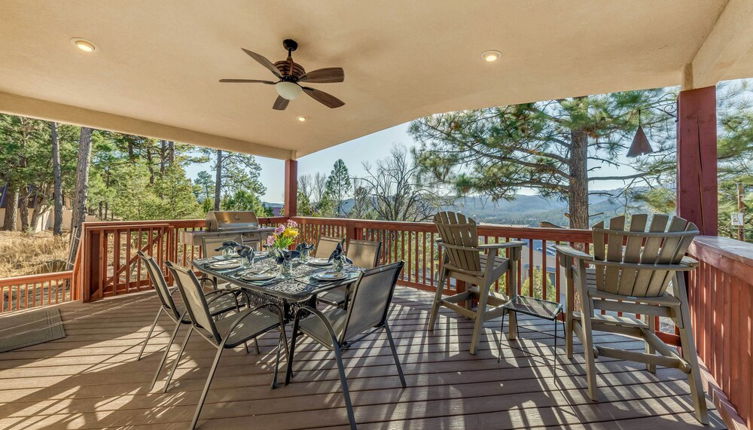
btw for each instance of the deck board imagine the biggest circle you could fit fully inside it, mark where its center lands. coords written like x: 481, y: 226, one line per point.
x: 91, y: 379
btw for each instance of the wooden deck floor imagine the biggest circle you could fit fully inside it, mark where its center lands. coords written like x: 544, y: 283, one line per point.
x: 91, y: 379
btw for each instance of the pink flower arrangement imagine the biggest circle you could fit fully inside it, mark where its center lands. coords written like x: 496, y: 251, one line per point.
x: 283, y: 236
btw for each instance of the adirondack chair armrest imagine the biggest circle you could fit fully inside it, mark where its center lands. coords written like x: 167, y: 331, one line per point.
x: 689, y: 261
x: 571, y: 252
x: 679, y: 267
x: 511, y: 244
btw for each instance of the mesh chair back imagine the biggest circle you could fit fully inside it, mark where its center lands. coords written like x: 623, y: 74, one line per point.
x: 210, y: 244
x: 663, y: 241
x: 193, y: 296
x: 159, y: 283
x: 325, y: 246
x: 371, y: 300
x: 459, y: 240
x: 364, y: 253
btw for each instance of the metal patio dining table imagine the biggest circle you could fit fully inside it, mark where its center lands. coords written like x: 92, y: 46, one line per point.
x: 299, y: 289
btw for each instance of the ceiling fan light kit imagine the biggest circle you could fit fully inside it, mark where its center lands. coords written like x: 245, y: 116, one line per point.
x: 290, y: 74
x: 288, y: 90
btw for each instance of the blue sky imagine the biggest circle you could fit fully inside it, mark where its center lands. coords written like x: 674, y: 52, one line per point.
x: 354, y: 153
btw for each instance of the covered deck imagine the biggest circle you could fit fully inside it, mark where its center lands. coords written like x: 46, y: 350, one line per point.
x: 402, y: 61
x: 91, y: 379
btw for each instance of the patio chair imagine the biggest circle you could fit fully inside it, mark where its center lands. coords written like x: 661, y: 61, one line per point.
x: 220, y: 302
x: 325, y: 246
x: 630, y: 272
x: 209, y: 247
x: 224, y: 333
x: 364, y: 254
x: 338, y: 329
x: 479, y: 266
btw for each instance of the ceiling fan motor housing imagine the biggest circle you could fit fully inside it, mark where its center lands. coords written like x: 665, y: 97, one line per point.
x: 296, y: 72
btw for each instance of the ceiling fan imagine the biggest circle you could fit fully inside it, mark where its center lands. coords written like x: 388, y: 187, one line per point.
x: 290, y: 75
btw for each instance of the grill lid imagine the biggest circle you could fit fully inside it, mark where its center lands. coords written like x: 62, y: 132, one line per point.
x: 231, y: 220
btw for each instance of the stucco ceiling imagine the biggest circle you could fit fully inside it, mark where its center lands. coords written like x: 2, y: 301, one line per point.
x: 157, y: 63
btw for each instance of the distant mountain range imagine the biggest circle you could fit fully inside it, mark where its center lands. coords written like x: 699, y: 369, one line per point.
x: 529, y: 210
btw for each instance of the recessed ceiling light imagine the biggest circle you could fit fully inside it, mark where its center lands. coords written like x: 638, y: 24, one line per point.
x: 491, y: 56
x: 301, y: 119
x: 83, y: 45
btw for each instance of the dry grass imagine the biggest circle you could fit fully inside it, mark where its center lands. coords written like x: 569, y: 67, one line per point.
x: 31, y: 253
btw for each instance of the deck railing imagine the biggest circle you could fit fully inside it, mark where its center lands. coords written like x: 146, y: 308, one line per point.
x: 111, y: 265
x: 415, y: 243
x: 721, y: 290
x: 721, y: 303
x: 43, y: 289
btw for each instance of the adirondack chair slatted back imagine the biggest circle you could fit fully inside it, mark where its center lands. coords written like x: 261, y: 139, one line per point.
x: 460, y: 240
x: 662, y: 242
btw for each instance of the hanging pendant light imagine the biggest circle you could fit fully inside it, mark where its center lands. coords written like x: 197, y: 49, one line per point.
x: 640, y: 145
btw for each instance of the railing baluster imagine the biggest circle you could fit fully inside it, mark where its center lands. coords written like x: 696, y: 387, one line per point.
x: 544, y: 270
x: 530, y: 267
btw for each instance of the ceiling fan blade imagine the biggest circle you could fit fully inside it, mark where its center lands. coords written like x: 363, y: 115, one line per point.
x: 260, y: 81
x: 326, y: 99
x: 323, y: 76
x: 280, y: 103
x: 263, y: 61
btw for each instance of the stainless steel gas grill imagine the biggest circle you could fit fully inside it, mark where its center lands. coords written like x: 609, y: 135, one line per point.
x: 230, y: 224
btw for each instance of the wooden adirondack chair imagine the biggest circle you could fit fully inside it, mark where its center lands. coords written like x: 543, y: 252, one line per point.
x: 630, y: 272
x: 478, y: 265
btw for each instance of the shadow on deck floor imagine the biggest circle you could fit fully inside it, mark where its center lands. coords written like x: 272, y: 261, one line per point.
x: 91, y: 379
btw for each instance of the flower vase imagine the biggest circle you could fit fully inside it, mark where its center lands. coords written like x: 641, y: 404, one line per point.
x: 286, y: 269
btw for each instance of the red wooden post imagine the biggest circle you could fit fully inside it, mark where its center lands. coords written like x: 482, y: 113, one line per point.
x: 291, y: 188
x: 696, y: 158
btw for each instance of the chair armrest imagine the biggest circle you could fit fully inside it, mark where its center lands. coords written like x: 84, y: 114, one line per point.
x: 571, y: 252
x: 510, y: 244
x: 251, y: 312
x: 216, y: 294
x: 204, y: 279
x: 319, y: 315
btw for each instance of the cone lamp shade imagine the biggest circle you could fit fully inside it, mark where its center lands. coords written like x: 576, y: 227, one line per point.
x: 640, y: 145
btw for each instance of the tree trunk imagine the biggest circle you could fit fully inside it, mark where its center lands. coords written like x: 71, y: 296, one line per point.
x: 150, y: 165
x: 578, y: 190
x: 23, y: 209
x: 38, y: 206
x: 218, y: 180
x: 11, y: 208
x: 82, y: 178
x: 57, y: 191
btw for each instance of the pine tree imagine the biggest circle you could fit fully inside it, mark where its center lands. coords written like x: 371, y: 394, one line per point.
x: 551, y: 146
x: 338, y: 185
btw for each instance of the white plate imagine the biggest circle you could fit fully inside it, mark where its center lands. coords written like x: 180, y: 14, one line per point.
x: 254, y: 277
x: 319, y: 262
x: 225, y: 264
x: 329, y: 276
